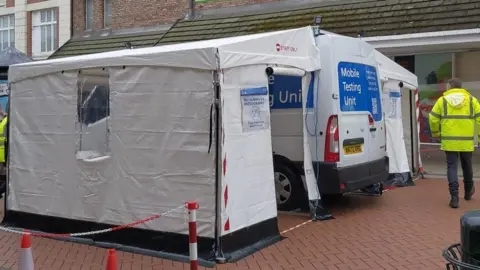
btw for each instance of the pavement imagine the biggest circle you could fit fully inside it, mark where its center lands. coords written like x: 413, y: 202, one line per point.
x: 406, y: 228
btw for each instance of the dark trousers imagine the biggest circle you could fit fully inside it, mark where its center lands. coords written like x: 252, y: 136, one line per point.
x: 452, y: 170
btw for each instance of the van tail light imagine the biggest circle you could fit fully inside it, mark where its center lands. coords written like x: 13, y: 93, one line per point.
x: 371, y: 122
x: 332, y: 140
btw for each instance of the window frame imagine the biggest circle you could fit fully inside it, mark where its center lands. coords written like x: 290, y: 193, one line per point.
x: 87, y: 4
x: 105, y: 14
x: 37, y: 52
x: 11, y: 38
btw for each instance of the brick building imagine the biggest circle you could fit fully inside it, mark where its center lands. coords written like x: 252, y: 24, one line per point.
x: 35, y: 27
x: 103, y: 25
x: 109, y: 15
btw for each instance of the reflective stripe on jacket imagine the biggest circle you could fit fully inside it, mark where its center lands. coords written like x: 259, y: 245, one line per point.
x: 3, y: 138
x: 453, y: 119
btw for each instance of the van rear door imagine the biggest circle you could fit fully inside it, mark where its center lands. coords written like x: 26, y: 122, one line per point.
x: 353, y: 115
x: 374, y: 105
x: 376, y: 124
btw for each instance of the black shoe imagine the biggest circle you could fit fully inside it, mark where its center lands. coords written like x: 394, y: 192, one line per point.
x: 454, y: 202
x: 469, y: 193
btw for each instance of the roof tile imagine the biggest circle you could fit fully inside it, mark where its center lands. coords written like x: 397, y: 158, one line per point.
x: 104, y: 44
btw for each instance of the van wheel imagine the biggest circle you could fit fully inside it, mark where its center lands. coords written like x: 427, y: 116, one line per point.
x: 288, y: 187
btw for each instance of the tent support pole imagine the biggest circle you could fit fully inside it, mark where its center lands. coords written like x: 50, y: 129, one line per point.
x: 218, y: 253
x: 191, y: 9
x: 7, y: 155
x: 412, y: 138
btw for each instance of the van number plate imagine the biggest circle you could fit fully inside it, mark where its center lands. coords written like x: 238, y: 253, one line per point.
x: 352, y: 149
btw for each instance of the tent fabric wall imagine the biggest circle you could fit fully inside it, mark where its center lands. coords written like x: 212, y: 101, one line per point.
x: 160, y: 134
x: 249, y: 162
x: 55, y: 95
x: 396, y: 147
x: 317, y: 209
x: 248, y: 191
x: 395, y: 79
x: 147, y: 172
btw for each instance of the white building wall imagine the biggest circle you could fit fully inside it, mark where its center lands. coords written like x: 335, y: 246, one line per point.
x: 20, y: 11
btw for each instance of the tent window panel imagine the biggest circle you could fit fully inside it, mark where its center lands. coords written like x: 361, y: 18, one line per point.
x: 93, y: 114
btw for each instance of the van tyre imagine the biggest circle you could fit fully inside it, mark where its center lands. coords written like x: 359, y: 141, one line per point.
x: 288, y: 186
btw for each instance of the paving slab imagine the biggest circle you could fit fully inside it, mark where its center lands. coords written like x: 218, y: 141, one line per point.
x: 406, y: 228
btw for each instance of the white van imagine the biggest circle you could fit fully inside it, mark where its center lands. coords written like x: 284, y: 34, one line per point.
x: 349, y: 152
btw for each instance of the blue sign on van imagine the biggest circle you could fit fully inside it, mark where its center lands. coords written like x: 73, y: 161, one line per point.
x: 359, y: 89
x: 3, y: 94
x: 286, y: 92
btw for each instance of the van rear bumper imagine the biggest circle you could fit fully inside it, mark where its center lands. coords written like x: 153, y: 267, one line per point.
x: 331, y: 179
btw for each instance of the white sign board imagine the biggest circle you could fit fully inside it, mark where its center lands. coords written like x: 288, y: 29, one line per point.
x: 3, y: 88
x: 395, y: 106
x: 255, y: 109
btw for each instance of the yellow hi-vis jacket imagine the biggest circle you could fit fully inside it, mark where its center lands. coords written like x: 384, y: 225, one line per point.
x: 453, y: 119
x: 3, y: 138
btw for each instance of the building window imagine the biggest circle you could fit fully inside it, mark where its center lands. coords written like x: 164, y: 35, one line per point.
x: 93, y: 111
x: 88, y: 14
x: 107, y: 14
x: 433, y: 72
x: 44, y: 31
x: 465, y: 67
x: 7, y: 31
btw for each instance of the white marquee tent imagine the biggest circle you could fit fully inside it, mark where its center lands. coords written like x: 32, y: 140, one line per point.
x: 400, y: 136
x: 111, y: 138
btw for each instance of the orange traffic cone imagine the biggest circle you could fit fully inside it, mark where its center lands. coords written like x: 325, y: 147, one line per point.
x: 26, y: 258
x: 112, y: 260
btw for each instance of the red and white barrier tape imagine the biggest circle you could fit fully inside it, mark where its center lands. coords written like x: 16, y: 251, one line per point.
x: 296, y: 227
x: 116, y: 228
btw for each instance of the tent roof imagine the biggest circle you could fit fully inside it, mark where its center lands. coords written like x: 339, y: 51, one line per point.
x: 295, y: 48
x: 391, y: 70
x: 11, y: 56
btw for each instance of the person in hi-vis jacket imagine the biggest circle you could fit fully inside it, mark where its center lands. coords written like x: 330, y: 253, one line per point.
x: 3, y: 150
x: 453, y: 119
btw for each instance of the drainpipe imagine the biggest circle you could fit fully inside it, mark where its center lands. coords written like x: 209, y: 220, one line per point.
x: 191, y: 9
x: 71, y: 18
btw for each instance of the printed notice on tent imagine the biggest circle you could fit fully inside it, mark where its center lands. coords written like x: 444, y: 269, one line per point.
x: 395, y: 107
x: 255, y: 109
x: 3, y: 88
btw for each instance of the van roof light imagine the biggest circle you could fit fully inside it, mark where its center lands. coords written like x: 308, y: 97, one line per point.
x: 317, y: 20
